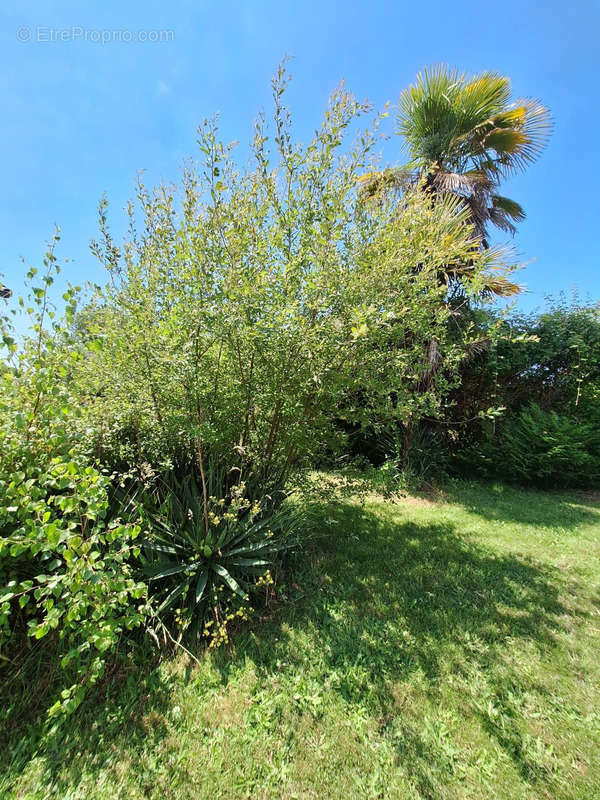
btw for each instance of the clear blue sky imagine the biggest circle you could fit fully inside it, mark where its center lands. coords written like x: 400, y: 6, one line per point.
x: 81, y: 117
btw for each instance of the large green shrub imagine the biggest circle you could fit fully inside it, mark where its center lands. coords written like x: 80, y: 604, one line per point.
x: 528, y: 407
x: 541, y: 447
x: 65, y: 573
x: 551, y: 358
x: 246, y: 308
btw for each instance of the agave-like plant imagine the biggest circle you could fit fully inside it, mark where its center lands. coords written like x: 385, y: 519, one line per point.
x: 464, y: 136
x: 205, y: 556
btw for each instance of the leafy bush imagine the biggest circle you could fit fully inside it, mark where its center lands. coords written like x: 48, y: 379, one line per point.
x: 551, y: 358
x: 65, y: 574
x: 245, y: 309
x: 528, y: 404
x: 64, y: 566
x: 543, y: 448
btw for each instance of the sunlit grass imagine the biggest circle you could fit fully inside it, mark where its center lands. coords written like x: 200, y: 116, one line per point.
x: 440, y: 647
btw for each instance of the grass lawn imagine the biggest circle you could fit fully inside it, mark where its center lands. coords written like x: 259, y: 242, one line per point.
x: 445, y: 648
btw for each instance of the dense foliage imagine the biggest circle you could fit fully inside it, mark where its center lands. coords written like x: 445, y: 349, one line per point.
x: 236, y: 319
x: 527, y: 408
x: 241, y: 312
x: 543, y: 378
x: 65, y: 570
x: 545, y: 448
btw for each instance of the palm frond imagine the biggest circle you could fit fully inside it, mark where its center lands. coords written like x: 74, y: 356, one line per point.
x: 460, y: 183
x: 426, y: 115
x: 482, y: 97
x: 500, y: 287
x: 507, y: 142
x: 392, y: 179
x: 510, y: 207
x: 463, y: 133
x: 537, y: 127
x: 501, y: 220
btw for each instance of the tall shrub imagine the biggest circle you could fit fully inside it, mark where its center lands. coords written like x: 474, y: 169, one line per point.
x: 249, y: 304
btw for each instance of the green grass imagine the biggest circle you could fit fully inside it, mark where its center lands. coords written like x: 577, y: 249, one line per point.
x: 445, y: 648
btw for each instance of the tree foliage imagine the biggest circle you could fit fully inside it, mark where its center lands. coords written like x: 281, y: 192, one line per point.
x: 246, y: 307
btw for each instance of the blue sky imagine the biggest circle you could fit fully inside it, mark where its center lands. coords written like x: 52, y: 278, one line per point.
x: 81, y: 117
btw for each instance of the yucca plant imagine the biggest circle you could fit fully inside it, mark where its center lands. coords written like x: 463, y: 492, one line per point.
x: 207, y: 556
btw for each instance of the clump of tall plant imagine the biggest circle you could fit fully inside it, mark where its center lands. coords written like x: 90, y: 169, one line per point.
x: 208, y: 558
x: 247, y: 305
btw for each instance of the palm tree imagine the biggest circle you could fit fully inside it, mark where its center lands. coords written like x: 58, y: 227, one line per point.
x: 464, y: 136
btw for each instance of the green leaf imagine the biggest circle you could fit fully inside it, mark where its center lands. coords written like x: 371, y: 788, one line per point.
x: 229, y: 580
x: 162, y: 571
x: 201, y: 585
x: 248, y: 562
x: 171, y: 597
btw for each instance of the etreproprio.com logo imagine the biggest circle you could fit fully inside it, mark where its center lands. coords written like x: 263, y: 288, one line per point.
x: 77, y: 33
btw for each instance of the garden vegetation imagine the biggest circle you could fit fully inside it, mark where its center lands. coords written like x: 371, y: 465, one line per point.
x: 304, y: 309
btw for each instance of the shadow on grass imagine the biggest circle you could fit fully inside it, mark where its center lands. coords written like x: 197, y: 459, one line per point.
x: 442, y: 586
x: 381, y: 600
x: 125, y: 712
x: 388, y: 600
